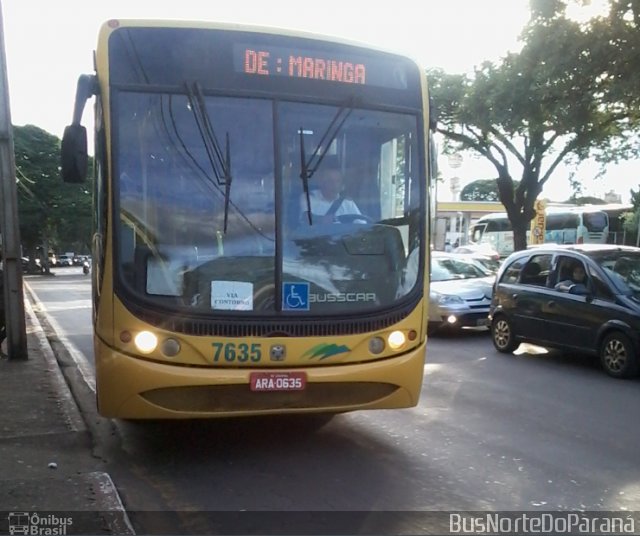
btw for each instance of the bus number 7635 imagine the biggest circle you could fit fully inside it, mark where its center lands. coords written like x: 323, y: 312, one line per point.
x: 241, y: 352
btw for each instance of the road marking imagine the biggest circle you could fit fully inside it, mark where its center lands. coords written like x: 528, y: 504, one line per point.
x: 86, y: 371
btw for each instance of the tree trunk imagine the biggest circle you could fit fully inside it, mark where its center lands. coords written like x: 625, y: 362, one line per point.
x: 45, y: 259
x: 520, y: 225
x: 519, y: 203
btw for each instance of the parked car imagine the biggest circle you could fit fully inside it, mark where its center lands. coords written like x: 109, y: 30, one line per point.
x: 460, y: 292
x: 478, y: 249
x: 538, y: 298
x: 482, y: 253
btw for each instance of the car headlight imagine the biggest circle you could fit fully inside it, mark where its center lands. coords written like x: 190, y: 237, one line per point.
x: 448, y: 299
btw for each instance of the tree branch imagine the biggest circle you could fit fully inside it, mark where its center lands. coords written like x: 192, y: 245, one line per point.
x: 507, y: 143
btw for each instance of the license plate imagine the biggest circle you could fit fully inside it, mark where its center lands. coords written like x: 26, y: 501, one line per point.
x: 482, y: 322
x: 278, y: 381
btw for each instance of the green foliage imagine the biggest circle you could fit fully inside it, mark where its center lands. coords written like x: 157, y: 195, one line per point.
x: 49, y: 209
x: 480, y: 190
x: 631, y: 219
x: 635, y: 199
x: 586, y: 200
x: 566, y: 96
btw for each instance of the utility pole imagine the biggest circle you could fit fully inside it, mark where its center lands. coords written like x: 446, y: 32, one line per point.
x: 11, y: 248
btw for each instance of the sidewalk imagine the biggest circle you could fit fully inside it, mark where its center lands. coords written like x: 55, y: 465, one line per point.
x: 48, y: 474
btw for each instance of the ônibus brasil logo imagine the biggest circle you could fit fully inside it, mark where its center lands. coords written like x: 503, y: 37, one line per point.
x: 33, y: 524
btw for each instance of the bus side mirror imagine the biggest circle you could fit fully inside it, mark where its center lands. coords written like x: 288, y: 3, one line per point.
x: 74, y: 154
x: 433, y: 115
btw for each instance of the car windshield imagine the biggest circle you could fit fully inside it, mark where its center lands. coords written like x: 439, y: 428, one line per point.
x: 447, y: 269
x: 623, y: 267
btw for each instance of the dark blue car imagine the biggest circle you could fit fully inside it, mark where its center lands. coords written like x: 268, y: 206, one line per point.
x: 583, y: 298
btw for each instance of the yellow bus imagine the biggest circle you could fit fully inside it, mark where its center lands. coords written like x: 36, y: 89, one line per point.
x: 220, y: 286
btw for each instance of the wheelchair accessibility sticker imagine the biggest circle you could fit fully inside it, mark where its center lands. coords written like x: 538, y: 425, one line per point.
x: 295, y: 296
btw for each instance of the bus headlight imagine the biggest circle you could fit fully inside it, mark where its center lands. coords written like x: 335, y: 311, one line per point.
x: 146, y: 342
x: 396, y: 340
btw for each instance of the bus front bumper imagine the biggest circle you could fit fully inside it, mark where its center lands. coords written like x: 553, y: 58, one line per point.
x: 133, y: 388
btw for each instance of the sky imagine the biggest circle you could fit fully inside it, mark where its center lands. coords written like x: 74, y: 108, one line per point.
x: 49, y: 43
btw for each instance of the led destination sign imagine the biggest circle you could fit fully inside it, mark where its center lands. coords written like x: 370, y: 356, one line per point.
x: 270, y: 61
x: 261, y: 62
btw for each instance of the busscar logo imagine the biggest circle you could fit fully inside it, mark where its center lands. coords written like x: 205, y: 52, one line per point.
x: 342, y: 297
x: 38, y: 524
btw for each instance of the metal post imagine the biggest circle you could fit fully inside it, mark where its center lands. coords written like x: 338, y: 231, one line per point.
x: 11, y: 250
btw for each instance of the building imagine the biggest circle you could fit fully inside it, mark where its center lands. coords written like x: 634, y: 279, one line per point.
x: 454, y: 218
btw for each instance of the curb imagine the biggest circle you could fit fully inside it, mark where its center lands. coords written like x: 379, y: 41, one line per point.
x: 107, y: 498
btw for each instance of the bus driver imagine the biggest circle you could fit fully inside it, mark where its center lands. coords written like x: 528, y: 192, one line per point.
x: 327, y: 201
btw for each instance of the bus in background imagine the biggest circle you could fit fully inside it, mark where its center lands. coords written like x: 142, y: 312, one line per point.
x: 563, y: 225
x: 217, y: 289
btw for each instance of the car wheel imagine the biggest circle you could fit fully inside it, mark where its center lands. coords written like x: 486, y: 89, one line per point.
x: 502, y: 335
x: 618, y: 356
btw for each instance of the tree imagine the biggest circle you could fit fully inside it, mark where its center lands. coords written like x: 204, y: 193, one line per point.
x: 618, y: 50
x: 585, y: 200
x: 52, y: 213
x: 631, y: 219
x: 551, y: 103
x: 481, y: 190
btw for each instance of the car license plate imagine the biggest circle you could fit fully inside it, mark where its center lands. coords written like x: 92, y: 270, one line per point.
x: 482, y: 322
x: 278, y: 381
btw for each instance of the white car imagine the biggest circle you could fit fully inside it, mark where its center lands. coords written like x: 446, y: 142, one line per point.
x: 64, y: 260
x: 478, y: 249
x: 460, y: 292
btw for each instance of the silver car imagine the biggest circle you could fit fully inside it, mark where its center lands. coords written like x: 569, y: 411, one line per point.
x: 460, y: 292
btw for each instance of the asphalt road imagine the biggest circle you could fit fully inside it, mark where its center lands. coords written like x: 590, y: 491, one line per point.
x: 536, y: 431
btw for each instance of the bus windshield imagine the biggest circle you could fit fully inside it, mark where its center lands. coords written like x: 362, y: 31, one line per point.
x: 193, y: 237
x: 595, y: 222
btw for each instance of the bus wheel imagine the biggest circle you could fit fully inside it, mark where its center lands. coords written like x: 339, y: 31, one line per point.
x: 618, y: 356
x: 502, y: 335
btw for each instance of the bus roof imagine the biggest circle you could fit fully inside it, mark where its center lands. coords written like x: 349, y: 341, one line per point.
x: 110, y: 25
x: 573, y: 209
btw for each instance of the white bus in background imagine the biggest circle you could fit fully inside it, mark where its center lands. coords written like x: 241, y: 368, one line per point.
x: 564, y: 225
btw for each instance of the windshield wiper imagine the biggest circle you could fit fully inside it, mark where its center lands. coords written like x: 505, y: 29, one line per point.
x: 304, y: 175
x: 220, y: 164
x: 308, y: 168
